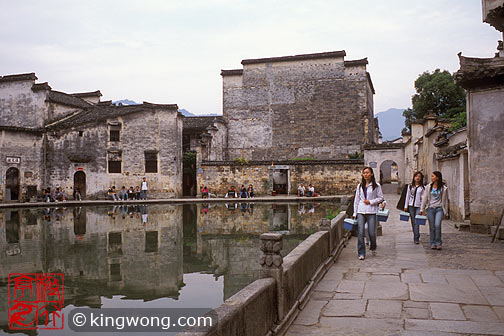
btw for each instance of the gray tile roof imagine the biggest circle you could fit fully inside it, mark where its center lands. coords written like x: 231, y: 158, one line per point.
x: 200, y: 123
x: 18, y: 77
x: 329, y: 54
x: 95, y: 113
x: 66, y: 99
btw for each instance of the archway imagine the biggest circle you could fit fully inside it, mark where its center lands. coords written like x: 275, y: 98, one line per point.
x: 12, y: 184
x: 389, y: 176
x: 80, y: 183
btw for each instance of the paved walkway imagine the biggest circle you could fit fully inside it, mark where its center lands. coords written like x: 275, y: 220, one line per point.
x: 409, y: 289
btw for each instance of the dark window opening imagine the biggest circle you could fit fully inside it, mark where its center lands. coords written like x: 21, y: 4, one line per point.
x: 151, y: 165
x: 81, y: 133
x: 115, y: 272
x: 151, y: 241
x: 115, y: 135
x: 114, y: 166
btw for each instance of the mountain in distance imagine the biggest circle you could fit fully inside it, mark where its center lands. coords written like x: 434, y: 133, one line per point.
x: 391, y: 123
x: 125, y: 102
x: 189, y: 114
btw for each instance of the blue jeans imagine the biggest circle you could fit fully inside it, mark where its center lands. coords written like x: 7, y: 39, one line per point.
x: 362, y: 219
x: 413, y: 211
x: 435, y: 216
x: 143, y: 194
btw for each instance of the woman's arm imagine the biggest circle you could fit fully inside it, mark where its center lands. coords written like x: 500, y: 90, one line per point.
x: 379, y: 196
x: 356, y: 201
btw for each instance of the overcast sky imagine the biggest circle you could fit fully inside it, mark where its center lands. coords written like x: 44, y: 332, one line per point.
x: 172, y: 51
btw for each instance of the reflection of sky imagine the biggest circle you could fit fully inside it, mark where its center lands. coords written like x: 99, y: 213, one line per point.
x: 200, y: 291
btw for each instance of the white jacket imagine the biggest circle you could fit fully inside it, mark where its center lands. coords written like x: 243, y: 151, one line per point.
x: 420, y: 194
x: 375, y: 197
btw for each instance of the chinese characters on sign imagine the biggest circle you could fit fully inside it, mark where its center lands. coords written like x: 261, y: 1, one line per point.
x: 36, y: 299
x: 14, y: 160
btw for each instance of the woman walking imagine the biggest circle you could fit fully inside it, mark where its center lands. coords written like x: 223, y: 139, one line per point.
x: 414, y: 197
x: 367, y: 197
x: 436, y: 203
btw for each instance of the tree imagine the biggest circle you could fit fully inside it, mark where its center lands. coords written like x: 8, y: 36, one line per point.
x: 437, y: 92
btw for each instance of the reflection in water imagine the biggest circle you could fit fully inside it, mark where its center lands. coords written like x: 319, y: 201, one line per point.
x: 150, y: 255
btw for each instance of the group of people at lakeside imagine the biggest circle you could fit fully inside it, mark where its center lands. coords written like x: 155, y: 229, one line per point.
x: 124, y: 194
x: 244, y: 192
x: 309, y: 191
x: 54, y: 196
x: 417, y: 199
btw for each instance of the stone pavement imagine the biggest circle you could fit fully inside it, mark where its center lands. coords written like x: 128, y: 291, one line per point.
x: 409, y: 289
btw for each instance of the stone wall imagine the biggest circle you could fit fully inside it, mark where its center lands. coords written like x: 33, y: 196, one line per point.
x: 485, y: 126
x: 26, y: 147
x: 328, y: 177
x: 156, y: 130
x: 284, y: 109
x: 20, y: 105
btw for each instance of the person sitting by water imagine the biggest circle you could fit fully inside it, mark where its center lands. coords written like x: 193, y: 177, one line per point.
x: 131, y: 193
x: 231, y: 193
x: 311, y: 191
x: 58, y: 195
x: 112, y: 193
x: 301, y: 190
x: 77, y: 195
x: 46, y: 194
x: 123, y: 194
x: 250, y: 191
x: 243, y: 192
x: 204, y: 192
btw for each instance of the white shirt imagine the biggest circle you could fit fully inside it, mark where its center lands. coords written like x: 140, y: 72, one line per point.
x: 374, y: 196
x: 144, y: 185
x: 410, y: 193
x: 312, y: 189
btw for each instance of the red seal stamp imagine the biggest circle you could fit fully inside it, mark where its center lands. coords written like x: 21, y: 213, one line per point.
x: 36, y: 300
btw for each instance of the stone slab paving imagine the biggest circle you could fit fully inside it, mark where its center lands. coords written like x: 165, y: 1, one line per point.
x: 409, y: 289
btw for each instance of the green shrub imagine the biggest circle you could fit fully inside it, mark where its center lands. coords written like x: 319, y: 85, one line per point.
x: 331, y: 215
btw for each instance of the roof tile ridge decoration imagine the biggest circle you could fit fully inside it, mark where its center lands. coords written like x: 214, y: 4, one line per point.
x: 18, y: 77
x: 66, y: 118
x: 480, y: 72
x: 22, y: 129
x: 151, y: 105
x: 301, y: 57
x: 233, y: 72
x: 40, y: 86
x: 67, y: 99
x: 358, y: 62
x: 96, y: 93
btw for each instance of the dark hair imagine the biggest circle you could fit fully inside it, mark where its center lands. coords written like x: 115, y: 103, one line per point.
x: 421, y: 180
x: 440, y: 183
x: 373, y: 180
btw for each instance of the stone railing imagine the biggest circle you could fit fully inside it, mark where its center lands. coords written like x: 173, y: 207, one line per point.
x: 269, y: 305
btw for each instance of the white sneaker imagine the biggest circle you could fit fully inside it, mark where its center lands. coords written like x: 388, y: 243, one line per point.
x: 361, y: 257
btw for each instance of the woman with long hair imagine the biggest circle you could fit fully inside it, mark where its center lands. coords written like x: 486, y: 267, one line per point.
x: 367, y: 197
x: 414, y: 198
x: 436, y: 203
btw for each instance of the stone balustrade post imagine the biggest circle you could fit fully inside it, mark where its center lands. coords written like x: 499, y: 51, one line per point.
x: 271, y: 266
x: 325, y: 225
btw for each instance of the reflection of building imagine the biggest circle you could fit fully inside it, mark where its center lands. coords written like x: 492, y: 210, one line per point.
x: 100, y: 252
x: 106, y: 251
x: 51, y: 139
